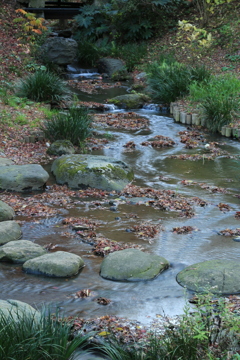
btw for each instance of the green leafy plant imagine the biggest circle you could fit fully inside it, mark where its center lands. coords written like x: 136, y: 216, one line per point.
x: 168, y: 81
x: 219, y: 100
x: 115, y: 19
x: 73, y: 126
x: 43, y: 86
x: 39, y: 337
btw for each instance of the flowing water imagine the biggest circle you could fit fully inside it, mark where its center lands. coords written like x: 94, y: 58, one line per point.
x: 139, y: 300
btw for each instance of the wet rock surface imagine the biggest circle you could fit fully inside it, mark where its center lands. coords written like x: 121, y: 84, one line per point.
x: 23, y: 177
x: 214, y: 276
x: 9, y: 231
x: 20, y: 251
x: 6, y: 211
x: 17, y: 310
x: 101, y: 172
x: 61, y: 147
x: 132, y: 265
x: 57, y: 264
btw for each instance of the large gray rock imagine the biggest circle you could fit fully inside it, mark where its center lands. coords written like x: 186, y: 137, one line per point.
x: 59, y: 50
x: 110, y: 65
x: 9, y: 231
x: 20, y: 251
x: 23, y: 177
x: 94, y: 171
x: 6, y: 212
x: 61, y: 147
x: 132, y: 265
x: 5, y: 161
x: 130, y: 101
x: 57, y: 264
x: 17, y: 310
x: 215, y: 276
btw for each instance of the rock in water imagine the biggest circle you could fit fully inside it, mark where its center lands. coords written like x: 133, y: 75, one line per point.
x: 9, y: 231
x: 17, y: 311
x: 132, y: 265
x: 23, y: 177
x: 20, y: 251
x: 57, y: 264
x: 101, y: 172
x: 6, y: 212
x: 214, y: 276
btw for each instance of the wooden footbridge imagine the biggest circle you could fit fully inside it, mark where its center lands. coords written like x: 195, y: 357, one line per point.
x: 57, y: 9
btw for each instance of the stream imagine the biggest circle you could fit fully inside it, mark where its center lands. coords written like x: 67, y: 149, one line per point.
x: 140, y: 301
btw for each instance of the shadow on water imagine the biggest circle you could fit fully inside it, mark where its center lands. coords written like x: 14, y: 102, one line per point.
x: 153, y: 168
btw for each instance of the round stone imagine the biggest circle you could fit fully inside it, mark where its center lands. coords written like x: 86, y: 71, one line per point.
x: 132, y: 265
x: 20, y: 251
x: 57, y: 264
x: 214, y: 276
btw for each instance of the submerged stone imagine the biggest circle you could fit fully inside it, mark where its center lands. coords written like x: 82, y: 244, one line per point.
x: 57, y: 264
x: 96, y: 171
x: 132, y: 265
x: 214, y: 276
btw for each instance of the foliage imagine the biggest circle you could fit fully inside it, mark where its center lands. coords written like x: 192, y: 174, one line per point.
x: 168, y: 81
x: 206, y: 332
x: 195, y: 35
x: 43, y: 86
x: 116, y: 21
x: 207, y: 7
x: 37, y: 338
x: 30, y: 24
x: 219, y: 100
x: 73, y: 126
x: 131, y: 53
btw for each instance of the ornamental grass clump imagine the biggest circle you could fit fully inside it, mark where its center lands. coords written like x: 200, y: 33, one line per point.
x: 168, y: 81
x: 73, y: 125
x: 219, y: 100
x: 43, y: 86
x: 39, y: 337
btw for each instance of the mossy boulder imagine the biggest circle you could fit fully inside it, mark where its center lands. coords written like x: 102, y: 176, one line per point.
x: 9, y: 231
x: 215, y: 276
x: 132, y: 265
x: 20, y: 251
x: 5, y: 161
x: 130, y: 101
x: 6, y: 212
x: 17, y: 310
x: 61, y: 147
x: 23, y: 177
x: 57, y: 264
x: 96, y: 171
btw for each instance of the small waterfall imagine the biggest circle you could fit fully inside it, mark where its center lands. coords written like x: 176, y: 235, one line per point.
x: 156, y: 107
x: 73, y: 72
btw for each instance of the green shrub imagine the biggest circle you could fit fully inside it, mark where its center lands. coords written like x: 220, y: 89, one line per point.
x: 168, y: 81
x: 116, y: 21
x: 219, y: 100
x: 45, y: 337
x: 73, y: 126
x: 206, y: 332
x: 200, y: 73
x: 43, y: 86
